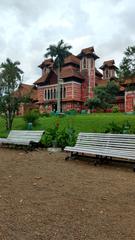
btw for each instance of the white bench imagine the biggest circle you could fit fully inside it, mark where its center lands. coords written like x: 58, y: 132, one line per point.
x: 102, y: 145
x: 22, y: 138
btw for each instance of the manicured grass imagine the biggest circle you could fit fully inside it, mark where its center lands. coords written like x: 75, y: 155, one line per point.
x: 82, y: 123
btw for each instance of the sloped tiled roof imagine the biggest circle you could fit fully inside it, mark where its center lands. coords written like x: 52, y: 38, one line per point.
x: 66, y: 72
x: 46, y: 62
x: 88, y: 52
x: 72, y: 59
x: 23, y: 89
x: 109, y: 63
x: 42, y: 79
x: 26, y: 90
x: 70, y: 72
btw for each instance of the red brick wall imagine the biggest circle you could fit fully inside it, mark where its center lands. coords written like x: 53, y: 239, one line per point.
x: 66, y: 106
x: 73, y: 91
x: 25, y: 107
x: 68, y: 87
x: 129, y: 101
x: 89, y: 82
x: 84, y: 87
x: 121, y: 107
x: 40, y: 95
x: 76, y: 88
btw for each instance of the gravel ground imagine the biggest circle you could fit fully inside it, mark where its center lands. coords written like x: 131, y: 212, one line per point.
x: 42, y: 196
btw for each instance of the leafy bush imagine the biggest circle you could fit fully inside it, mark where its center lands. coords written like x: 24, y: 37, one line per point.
x: 66, y: 137
x: 115, y: 128
x: 45, y: 114
x: 50, y: 136
x: 132, y: 129
x: 115, y: 109
x: 56, y: 137
x: 71, y: 112
x: 31, y: 117
x: 84, y: 111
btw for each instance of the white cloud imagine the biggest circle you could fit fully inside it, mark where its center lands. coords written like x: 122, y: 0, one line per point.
x: 29, y: 27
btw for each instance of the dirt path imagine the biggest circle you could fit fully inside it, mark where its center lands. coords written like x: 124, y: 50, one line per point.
x: 44, y: 197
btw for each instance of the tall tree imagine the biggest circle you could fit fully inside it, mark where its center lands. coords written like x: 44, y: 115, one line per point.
x: 10, y: 78
x: 127, y: 66
x: 58, y: 52
x: 104, y: 96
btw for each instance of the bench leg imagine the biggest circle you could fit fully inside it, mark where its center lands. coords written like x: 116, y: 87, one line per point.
x: 134, y: 168
x: 71, y: 157
x: 97, y: 161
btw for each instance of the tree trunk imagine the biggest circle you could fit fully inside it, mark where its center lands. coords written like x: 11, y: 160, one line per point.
x: 9, y: 120
x: 58, y: 90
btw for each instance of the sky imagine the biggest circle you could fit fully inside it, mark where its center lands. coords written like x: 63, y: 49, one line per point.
x: 27, y: 28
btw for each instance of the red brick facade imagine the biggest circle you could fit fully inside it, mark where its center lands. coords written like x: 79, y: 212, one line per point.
x: 130, y: 101
x: 78, y: 78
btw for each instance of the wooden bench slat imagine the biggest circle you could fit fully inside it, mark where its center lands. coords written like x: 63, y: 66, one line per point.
x: 102, y: 144
x: 22, y: 137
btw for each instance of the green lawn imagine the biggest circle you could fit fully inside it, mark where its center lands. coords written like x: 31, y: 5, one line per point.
x: 85, y: 123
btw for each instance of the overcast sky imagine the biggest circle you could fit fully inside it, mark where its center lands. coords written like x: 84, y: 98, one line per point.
x: 27, y: 28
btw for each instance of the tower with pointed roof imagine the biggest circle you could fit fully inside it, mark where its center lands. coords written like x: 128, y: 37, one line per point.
x: 108, y: 69
x: 87, y: 68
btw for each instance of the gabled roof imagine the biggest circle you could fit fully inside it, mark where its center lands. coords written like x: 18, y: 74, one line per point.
x: 89, y: 52
x: 47, y: 78
x: 72, y: 59
x: 46, y: 63
x: 109, y: 63
x: 67, y: 72
x: 23, y: 89
x: 26, y: 90
x: 42, y: 79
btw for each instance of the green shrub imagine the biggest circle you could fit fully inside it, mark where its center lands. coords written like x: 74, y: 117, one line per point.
x: 50, y: 136
x: 115, y: 128
x: 66, y: 137
x: 56, y: 137
x: 32, y: 117
x: 84, y: 111
x: 115, y: 109
x: 45, y: 114
x: 71, y: 112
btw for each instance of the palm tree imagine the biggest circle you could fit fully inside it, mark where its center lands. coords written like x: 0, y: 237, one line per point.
x: 10, y: 78
x: 58, y: 52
